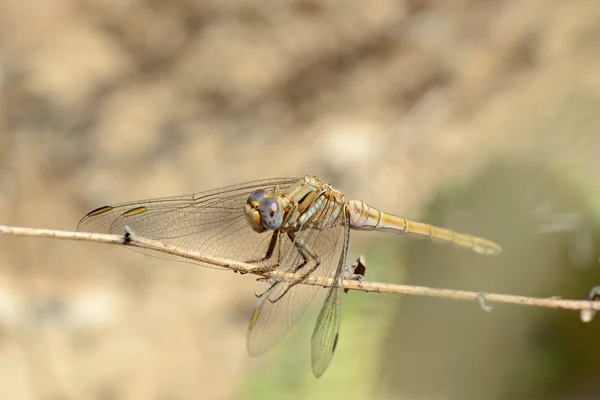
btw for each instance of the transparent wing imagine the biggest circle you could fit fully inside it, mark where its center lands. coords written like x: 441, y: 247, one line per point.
x: 326, y: 333
x: 212, y: 222
x: 280, y: 307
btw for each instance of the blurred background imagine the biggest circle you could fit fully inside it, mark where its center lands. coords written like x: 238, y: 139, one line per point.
x: 481, y: 116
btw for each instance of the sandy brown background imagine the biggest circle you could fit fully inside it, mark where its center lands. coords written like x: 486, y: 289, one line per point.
x: 390, y: 101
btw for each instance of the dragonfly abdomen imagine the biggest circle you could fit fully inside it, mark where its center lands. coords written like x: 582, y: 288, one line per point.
x: 365, y: 217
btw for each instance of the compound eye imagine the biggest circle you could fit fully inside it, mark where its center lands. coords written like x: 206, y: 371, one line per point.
x: 256, y: 195
x: 270, y: 214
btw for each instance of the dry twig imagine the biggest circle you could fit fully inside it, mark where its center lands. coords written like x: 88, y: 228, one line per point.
x: 130, y: 239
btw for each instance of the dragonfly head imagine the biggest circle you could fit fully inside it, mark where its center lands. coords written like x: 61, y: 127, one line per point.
x: 263, y: 212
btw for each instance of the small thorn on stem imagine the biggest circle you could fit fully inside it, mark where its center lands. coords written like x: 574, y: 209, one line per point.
x: 356, y: 271
x: 128, y: 236
x: 484, y: 307
x: 588, y: 314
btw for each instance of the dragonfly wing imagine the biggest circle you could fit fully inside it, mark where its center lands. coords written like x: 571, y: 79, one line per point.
x: 211, y: 222
x: 326, y: 332
x: 327, y: 329
x: 282, y: 305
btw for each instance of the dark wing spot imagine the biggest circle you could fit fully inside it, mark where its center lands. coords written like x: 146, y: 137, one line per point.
x: 335, y: 341
x: 99, y: 211
x: 135, y: 211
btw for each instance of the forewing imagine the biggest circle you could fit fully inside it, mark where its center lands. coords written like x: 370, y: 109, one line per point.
x: 210, y: 222
x: 275, y: 315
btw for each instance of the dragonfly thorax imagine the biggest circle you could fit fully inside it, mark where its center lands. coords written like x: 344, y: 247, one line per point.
x: 263, y: 212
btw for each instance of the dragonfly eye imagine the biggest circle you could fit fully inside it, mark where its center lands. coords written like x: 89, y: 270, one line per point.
x: 256, y: 195
x: 270, y: 214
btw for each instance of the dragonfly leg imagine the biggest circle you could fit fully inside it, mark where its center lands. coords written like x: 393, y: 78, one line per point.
x: 307, y: 253
x: 267, y: 256
x: 267, y: 290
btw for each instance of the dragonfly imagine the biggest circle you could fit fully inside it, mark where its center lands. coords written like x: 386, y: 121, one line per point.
x: 293, y: 225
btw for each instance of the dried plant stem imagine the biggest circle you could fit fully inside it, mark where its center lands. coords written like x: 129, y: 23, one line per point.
x: 130, y: 239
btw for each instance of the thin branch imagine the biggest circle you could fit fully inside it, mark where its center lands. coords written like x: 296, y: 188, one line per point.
x: 130, y: 239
